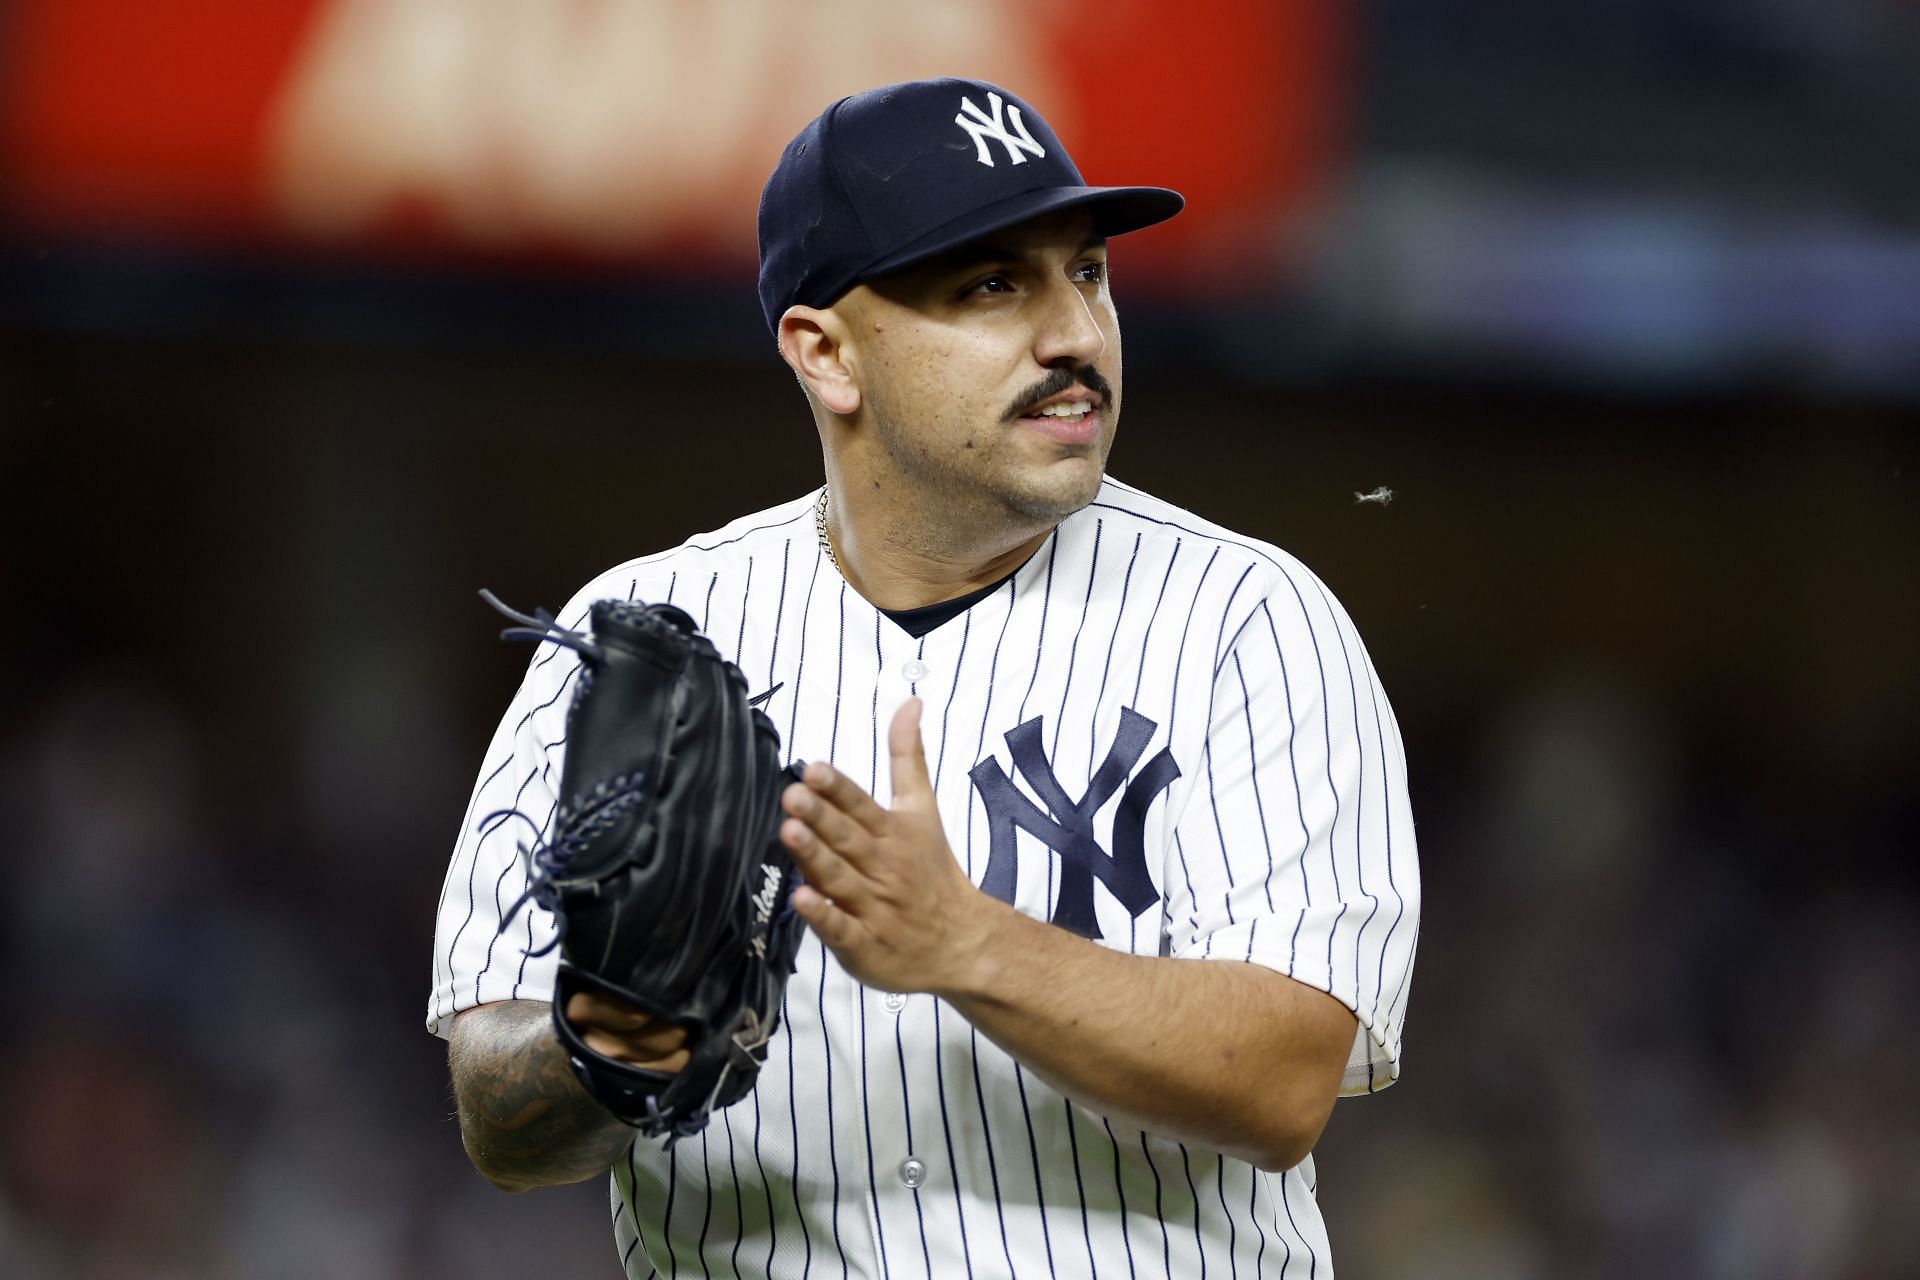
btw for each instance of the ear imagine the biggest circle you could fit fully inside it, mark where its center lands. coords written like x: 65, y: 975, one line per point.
x: 814, y: 343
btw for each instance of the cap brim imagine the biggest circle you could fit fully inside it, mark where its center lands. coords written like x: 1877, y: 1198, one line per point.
x: 1116, y: 211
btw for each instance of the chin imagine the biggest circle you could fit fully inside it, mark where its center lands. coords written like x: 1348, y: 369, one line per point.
x: 1054, y: 497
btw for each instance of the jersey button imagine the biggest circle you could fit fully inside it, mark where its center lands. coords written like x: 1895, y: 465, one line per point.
x: 914, y: 669
x: 913, y: 1172
x: 895, y: 1002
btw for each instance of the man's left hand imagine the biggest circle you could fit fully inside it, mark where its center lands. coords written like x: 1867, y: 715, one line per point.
x: 883, y: 889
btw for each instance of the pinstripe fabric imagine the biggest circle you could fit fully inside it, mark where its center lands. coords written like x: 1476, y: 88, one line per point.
x: 1285, y: 840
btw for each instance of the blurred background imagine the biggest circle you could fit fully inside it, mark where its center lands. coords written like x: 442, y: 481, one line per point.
x: 318, y: 315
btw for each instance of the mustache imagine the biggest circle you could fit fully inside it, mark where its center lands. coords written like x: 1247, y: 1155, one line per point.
x: 1056, y: 382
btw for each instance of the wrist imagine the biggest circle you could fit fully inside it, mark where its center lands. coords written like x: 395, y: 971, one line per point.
x: 985, y: 931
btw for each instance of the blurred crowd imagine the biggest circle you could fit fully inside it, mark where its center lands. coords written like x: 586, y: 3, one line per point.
x: 1651, y: 1036
x: 216, y: 1047
x: 1659, y: 1034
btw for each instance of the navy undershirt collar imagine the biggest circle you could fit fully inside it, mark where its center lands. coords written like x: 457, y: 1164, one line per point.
x: 917, y: 622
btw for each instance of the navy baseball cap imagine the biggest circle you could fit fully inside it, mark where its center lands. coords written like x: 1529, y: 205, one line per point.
x: 895, y: 175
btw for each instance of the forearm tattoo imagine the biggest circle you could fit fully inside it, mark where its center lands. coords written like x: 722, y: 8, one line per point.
x: 525, y: 1120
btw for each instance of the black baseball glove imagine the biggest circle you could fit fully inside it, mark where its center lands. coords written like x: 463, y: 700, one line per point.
x: 662, y: 865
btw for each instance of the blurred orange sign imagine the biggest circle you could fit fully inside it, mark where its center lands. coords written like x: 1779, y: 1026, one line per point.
x: 628, y: 129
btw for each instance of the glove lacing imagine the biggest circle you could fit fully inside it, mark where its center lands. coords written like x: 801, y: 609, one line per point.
x: 547, y: 860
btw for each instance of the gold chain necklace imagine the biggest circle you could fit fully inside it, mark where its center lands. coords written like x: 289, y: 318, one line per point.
x: 820, y: 527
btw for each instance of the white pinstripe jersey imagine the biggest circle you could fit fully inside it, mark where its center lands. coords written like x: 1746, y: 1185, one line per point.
x: 1255, y: 778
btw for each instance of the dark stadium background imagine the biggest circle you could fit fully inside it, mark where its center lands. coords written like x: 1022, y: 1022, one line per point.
x: 1620, y: 298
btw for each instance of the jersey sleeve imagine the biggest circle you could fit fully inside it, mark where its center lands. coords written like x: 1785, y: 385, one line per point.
x: 1295, y: 849
x: 486, y: 932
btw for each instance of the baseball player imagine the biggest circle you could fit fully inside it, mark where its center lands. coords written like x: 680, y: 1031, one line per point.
x: 1110, y: 874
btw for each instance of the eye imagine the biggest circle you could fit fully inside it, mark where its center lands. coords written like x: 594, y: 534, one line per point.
x: 1091, y: 272
x: 993, y: 284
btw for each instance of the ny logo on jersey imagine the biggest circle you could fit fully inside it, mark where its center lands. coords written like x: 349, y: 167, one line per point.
x: 980, y: 126
x: 1066, y: 825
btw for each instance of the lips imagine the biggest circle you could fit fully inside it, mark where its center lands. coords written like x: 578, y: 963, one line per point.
x: 1067, y: 420
x: 1067, y: 404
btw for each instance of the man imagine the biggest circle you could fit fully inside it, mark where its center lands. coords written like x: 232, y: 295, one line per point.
x: 1110, y: 871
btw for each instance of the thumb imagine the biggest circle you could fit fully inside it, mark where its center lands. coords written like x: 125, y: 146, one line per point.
x: 910, y: 781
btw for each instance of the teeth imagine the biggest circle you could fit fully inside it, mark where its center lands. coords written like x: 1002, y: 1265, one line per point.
x: 1068, y: 410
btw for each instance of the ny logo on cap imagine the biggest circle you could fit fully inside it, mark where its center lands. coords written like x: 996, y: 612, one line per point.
x: 980, y: 126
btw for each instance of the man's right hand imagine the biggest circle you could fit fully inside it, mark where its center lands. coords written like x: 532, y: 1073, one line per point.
x: 624, y: 1033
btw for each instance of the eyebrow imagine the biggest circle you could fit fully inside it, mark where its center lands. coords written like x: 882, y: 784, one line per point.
x: 1007, y: 251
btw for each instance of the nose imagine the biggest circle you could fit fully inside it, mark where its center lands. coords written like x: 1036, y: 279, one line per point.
x: 1068, y: 331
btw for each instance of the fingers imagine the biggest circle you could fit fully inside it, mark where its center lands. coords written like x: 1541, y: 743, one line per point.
x: 909, y: 755
x: 845, y: 795
x: 829, y: 846
x: 826, y: 819
x: 626, y: 1034
x: 881, y: 884
x: 822, y: 866
x: 622, y: 1051
x: 835, y: 927
x: 591, y: 1009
